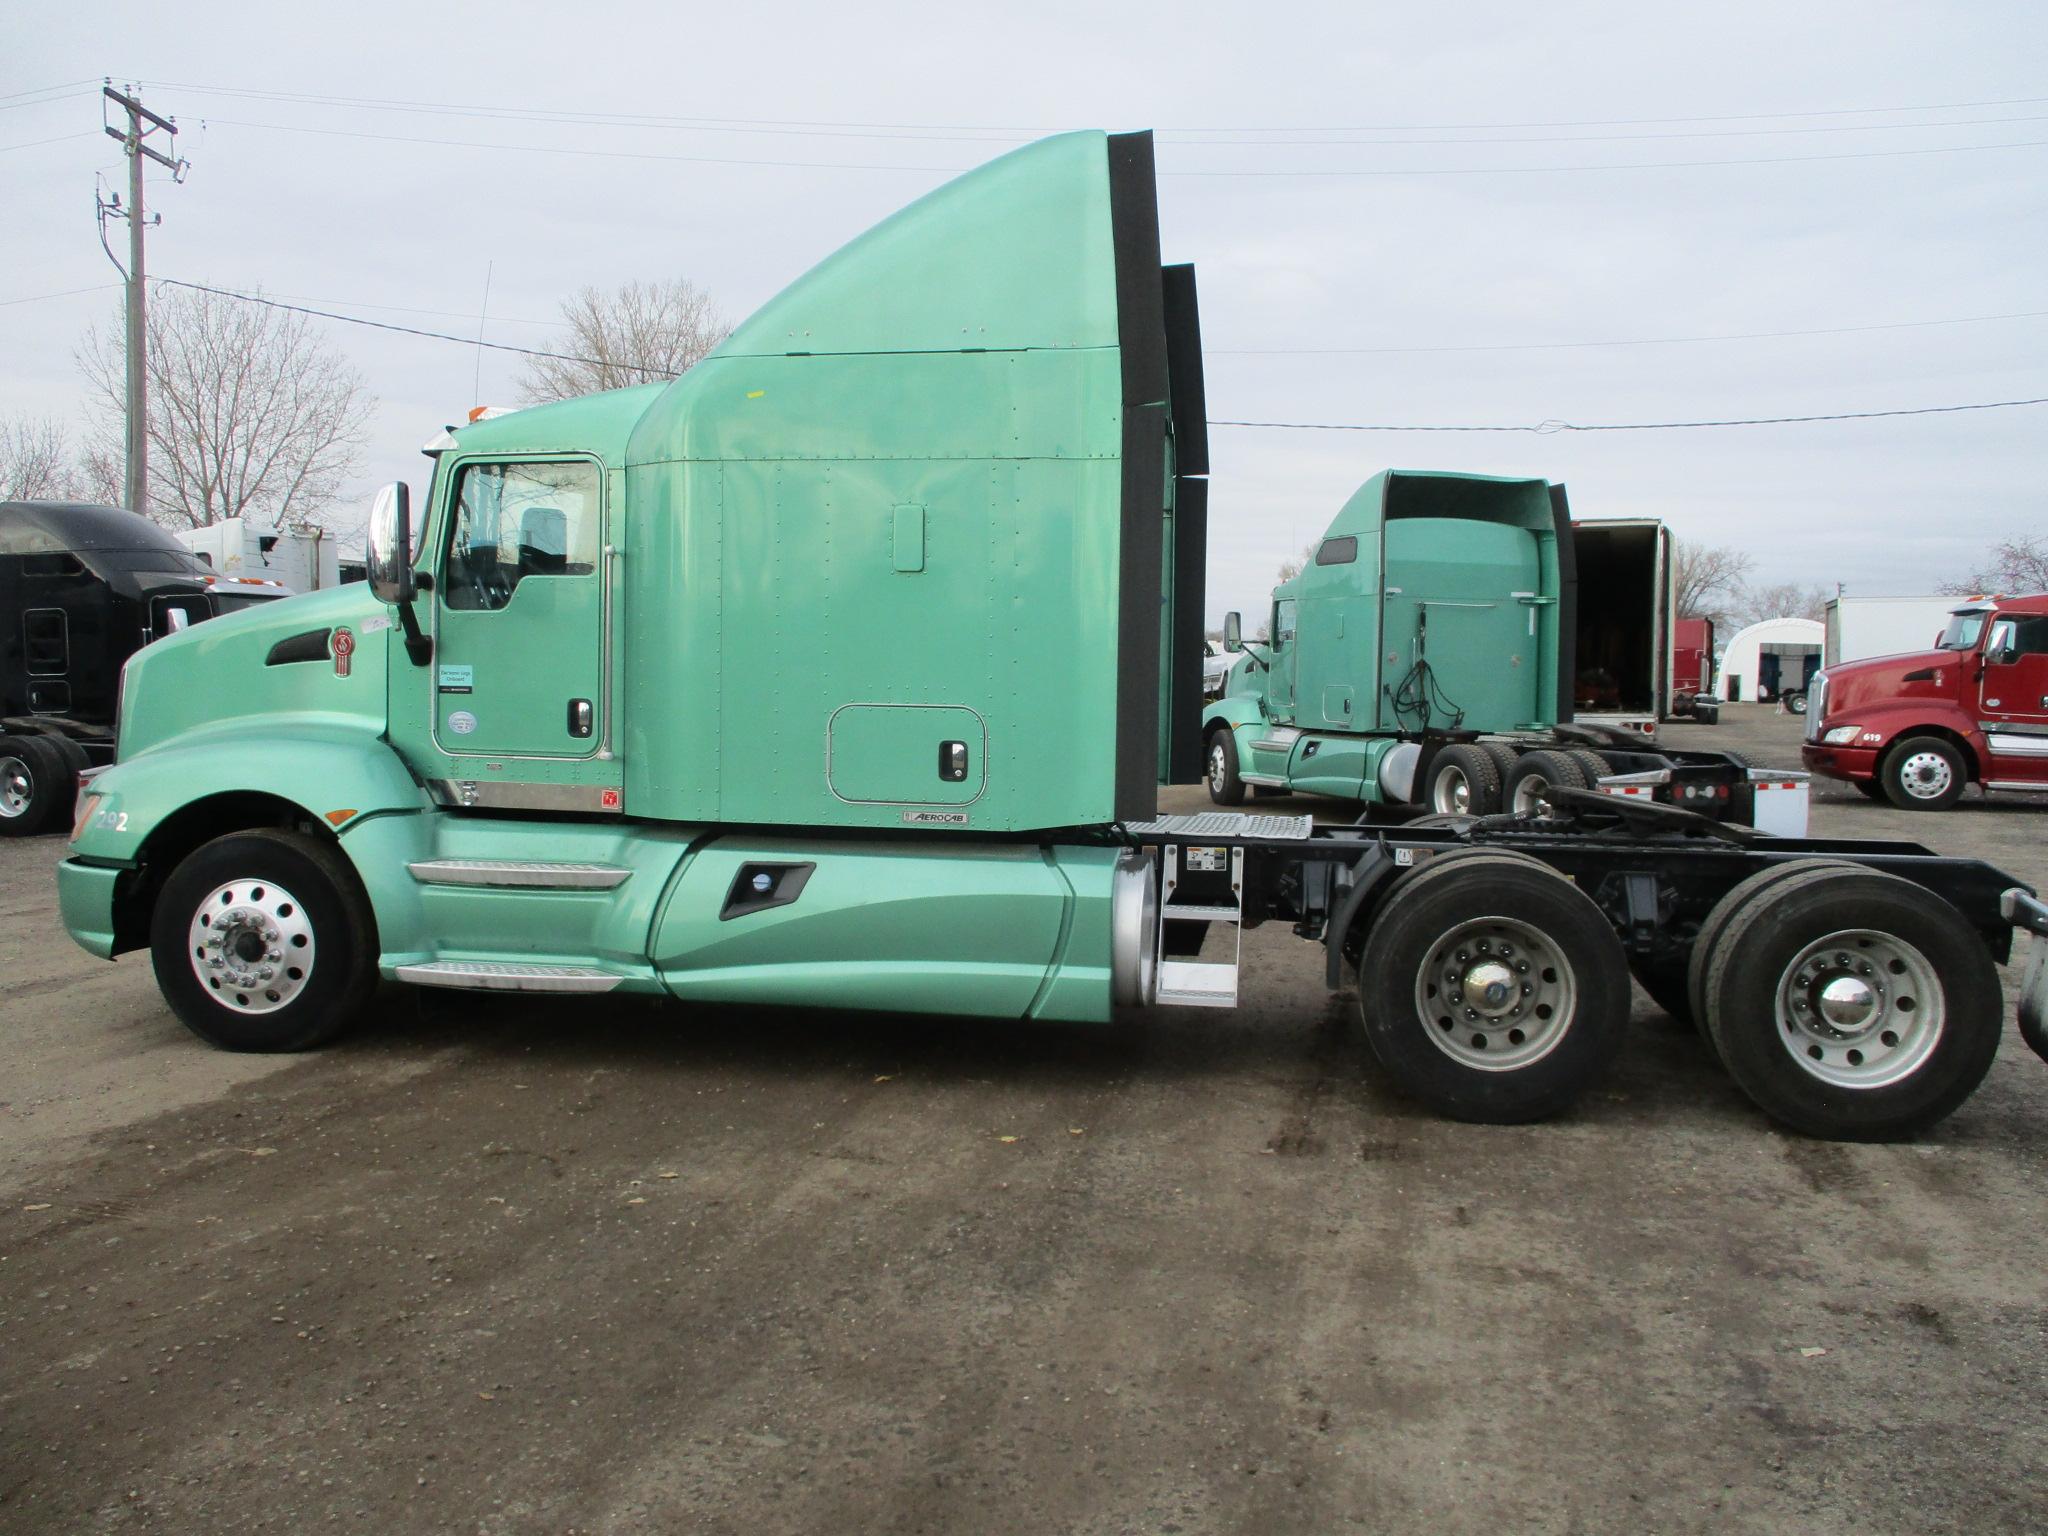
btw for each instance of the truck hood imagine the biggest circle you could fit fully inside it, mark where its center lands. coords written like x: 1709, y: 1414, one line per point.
x: 1854, y: 685
x: 274, y: 659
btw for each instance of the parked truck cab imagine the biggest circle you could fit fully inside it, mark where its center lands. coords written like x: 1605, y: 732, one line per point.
x: 1916, y: 729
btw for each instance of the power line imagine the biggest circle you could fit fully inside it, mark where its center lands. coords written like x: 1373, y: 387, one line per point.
x: 59, y: 139
x: 37, y: 298
x: 736, y: 123
x: 954, y: 170
x: 54, y: 92
x: 408, y: 330
x: 1297, y: 426
x: 1548, y: 427
x: 1636, y: 341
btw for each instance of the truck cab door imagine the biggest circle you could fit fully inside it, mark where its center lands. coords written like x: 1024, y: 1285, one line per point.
x: 2013, y: 698
x: 519, y: 616
x: 1280, y: 688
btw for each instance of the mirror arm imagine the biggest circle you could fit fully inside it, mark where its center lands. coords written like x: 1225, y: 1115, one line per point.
x: 418, y: 647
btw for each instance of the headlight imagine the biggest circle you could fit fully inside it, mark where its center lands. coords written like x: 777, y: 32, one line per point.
x: 1842, y: 735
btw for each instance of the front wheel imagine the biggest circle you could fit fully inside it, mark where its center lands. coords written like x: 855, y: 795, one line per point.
x: 1226, y: 787
x: 1491, y: 989
x: 1853, y: 1005
x: 264, y: 941
x: 1923, y: 773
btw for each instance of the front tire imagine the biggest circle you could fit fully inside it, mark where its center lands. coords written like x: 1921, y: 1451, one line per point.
x: 1491, y: 989
x: 1226, y: 787
x: 1853, y: 1005
x: 264, y: 941
x: 1923, y: 773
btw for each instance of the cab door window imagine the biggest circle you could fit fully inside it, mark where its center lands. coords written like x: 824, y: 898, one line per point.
x: 518, y: 520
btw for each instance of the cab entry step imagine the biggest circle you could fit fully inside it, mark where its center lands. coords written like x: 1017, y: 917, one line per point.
x: 1224, y: 824
x: 504, y: 976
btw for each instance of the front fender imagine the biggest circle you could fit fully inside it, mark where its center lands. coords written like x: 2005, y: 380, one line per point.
x: 335, y: 768
x: 1886, y: 724
x: 1234, y: 713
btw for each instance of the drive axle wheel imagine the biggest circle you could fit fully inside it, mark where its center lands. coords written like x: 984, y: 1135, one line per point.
x: 36, y: 786
x: 1854, y: 1005
x: 1708, y: 942
x: 1492, y: 989
x: 1464, y: 780
x: 264, y: 941
x: 1535, y: 775
x: 1225, y: 786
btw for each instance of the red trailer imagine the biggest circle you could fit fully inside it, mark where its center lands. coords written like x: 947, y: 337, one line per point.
x: 1692, y: 670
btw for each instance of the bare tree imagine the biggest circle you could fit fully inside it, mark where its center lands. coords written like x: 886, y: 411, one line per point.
x: 1296, y: 564
x: 2017, y: 565
x: 251, y: 412
x: 636, y: 334
x: 1706, y: 579
x: 1781, y: 600
x: 35, y: 460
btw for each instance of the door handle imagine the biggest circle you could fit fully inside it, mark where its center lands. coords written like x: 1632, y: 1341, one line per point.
x: 581, y: 717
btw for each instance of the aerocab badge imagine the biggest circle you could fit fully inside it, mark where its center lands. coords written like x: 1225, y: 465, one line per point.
x: 344, y: 647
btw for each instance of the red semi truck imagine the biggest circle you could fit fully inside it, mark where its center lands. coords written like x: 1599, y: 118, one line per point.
x: 1692, y: 670
x: 1917, y: 729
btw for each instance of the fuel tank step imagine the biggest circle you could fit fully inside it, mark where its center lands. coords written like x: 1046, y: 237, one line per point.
x: 519, y: 874
x: 506, y: 976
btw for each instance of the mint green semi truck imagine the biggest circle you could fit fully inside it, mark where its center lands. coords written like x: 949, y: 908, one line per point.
x: 844, y: 670
x: 1426, y: 658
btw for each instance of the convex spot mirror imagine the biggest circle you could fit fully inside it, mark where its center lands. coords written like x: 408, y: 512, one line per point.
x: 388, y: 548
x: 1233, y: 632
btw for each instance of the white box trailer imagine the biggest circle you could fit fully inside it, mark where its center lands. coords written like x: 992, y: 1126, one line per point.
x: 1859, y: 627
x: 303, y: 557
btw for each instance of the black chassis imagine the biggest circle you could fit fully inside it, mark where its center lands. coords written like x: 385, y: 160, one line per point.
x: 1655, y: 871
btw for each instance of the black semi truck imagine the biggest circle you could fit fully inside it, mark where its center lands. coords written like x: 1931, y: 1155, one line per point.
x: 82, y: 588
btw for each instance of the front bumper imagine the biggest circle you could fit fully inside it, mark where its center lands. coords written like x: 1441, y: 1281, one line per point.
x: 1849, y: 762
x: 2030, y: 913
x: 85, y: 898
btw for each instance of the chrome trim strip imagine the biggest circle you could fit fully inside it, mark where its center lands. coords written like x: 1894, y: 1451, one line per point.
x: 2033, y: 786
x: 519, y: 875
x: 503, y: 795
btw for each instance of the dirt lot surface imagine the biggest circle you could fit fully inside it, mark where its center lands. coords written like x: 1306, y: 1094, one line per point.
x: 592, y: 1267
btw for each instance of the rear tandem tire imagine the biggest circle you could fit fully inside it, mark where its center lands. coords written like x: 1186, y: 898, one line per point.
x: 37, y: 786
x: 1535, y: 775
x: 1225, y: 786
x: 1492, y: 989
x: 1463, y: 781
x: 1854, y: 1005
x: 1708, y: 940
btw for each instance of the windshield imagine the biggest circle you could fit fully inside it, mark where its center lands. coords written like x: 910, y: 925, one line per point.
x: 1963, y: 630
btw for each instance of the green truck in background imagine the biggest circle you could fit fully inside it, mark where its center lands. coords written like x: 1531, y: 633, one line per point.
x: 843, y: 671
x: 1425, y: 658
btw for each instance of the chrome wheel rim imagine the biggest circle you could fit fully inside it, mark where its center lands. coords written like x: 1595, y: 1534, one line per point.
x: 1451, y: 793
x: 1219, y: 768
x: 252, y: 946
x: 17, y: 788
x: 1532, y: 796
x: 1926, y: 775
x: 1495, y: 994
x: 1860, y: 1009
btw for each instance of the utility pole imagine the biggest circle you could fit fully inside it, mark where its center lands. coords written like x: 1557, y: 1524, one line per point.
x: 137, y: 490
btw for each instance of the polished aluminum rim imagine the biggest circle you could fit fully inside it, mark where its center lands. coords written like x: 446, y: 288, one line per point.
x: 1219, y: 768
x: 17, y: 787
x: 1532, y: 796
x: 1860, y: 1009
x: 1496, y: 994
x: 1450, y: 792
x: 1926, y: 775
x: 252, y: 946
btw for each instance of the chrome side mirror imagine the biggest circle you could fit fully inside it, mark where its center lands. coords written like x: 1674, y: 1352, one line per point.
x: 388, y: 548
x: 1233, y: 632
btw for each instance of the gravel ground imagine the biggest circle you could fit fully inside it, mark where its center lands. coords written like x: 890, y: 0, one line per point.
x: 599, y: 1267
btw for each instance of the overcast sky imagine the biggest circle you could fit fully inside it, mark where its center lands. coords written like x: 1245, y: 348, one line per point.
x: 1466, y: 277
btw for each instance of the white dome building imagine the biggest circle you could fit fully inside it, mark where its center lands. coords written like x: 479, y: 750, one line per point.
x: 1770, y: 657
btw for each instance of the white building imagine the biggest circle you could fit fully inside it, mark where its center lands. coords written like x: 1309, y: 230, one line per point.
x: 1770, y: 657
